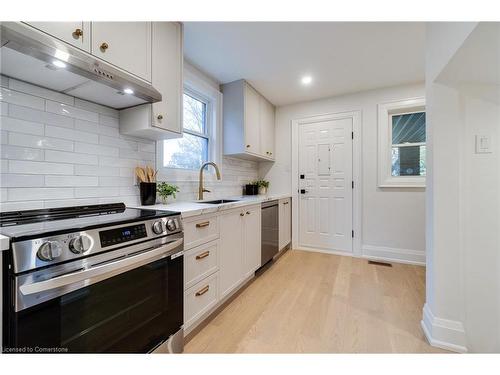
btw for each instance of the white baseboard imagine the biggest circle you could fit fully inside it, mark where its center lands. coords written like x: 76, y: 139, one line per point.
x: 443, y: 333
x: 324, y: 251
x: 390, y: 254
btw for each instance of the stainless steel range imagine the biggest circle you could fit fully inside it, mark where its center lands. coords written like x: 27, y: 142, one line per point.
x: 93, y: 279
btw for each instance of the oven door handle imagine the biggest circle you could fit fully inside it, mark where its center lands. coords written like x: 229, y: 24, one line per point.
x: 103, y: 271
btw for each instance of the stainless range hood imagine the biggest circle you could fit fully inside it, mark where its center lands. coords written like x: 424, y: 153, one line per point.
x: 31, y: 56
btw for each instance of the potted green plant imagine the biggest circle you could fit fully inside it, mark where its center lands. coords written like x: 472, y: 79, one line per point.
x: 165, y: 190
x: 263, y: 186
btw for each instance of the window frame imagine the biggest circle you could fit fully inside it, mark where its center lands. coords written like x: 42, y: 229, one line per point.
x: 385, y: 113
x: 197, y: 88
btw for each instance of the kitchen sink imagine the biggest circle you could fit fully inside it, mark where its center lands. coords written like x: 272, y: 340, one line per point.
x: 219, y: 201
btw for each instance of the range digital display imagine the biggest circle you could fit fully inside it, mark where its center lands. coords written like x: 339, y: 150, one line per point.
x: 124, y: 234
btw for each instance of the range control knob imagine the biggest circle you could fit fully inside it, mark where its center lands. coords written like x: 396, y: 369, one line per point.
x: 158, y: 227
x: 80, y: 244
x: 171, y: 226
x: 49, y: 250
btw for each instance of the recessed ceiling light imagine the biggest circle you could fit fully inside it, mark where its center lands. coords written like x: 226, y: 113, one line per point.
x: 59, y: 64
x: 128, y: 91
x: 306, y: 80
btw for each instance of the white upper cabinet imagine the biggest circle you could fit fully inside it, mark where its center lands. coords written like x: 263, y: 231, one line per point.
x: 75, y: 33
x: 248, y: 122
x: 266, y: 128
x: 163, y: 119
x: 167, y: 75
x: 252, y: 120
x: 124, y: 44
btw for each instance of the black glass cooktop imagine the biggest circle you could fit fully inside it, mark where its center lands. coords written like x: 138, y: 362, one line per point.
x: 44, y: 222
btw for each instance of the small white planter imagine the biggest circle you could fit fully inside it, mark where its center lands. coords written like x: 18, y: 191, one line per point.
x: 262, y: 190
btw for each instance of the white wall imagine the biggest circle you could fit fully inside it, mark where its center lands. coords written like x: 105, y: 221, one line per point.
x: 392, y: 218
x: 463, y: 202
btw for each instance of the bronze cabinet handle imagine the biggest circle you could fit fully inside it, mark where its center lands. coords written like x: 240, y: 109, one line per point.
x: 78, y: 33
x: 203, y: 255
x: 286, y: 202
x: 242, y: 214
x: 159, y: 117
x: 202, y: 225
x: 248, y: 212
x: 248, y: 146
x: 104, y: 47
x: 202, y: 291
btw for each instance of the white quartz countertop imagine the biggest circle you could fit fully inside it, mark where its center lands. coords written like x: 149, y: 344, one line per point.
x: 190, y: 209
x: 4, y: 243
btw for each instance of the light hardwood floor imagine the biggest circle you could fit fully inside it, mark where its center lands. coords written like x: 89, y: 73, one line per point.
x: 319, y: 303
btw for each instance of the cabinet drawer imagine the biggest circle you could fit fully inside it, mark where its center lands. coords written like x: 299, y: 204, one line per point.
x: 200, y: 298
x: 200, y: 231
x: 200, y: 262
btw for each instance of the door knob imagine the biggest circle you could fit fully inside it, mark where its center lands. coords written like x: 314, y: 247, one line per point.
x: 104, y: 47
x: 303, y: 191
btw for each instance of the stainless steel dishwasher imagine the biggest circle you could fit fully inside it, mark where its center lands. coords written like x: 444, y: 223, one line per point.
x: 270, y: 231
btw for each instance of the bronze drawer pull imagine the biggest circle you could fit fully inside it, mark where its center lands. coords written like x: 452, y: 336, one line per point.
x: 285, y: 202
x: 202, y: 255
x: 104, y: 46
x: 202, y: 225
x: 202, y: 291
x: 248, y: 212
x: 77, y: 33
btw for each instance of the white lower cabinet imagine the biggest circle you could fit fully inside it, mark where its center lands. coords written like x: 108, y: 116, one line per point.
x: 200, y: 299
x: 231, y: 254
x: 222, y: 252
x: 285, y: 222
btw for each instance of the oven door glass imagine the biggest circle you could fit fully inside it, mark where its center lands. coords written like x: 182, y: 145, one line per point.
x: 132, y: 312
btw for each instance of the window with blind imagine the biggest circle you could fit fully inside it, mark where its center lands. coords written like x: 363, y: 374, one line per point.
x: 402, y: 143
x: 408, y: 144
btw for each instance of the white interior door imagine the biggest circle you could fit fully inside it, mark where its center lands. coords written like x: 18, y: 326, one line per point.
x: 325, y: 174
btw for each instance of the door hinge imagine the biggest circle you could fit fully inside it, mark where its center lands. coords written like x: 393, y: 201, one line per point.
x: 352, y: 135
x: 352, y: 184
x: 352, y: 233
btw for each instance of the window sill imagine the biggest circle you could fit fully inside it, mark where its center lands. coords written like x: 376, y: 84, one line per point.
x: 403, y: 182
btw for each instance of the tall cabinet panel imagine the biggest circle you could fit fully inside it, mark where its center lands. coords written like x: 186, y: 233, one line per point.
x: 252, y: 241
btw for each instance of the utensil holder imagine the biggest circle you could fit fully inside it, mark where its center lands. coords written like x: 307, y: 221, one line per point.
x: 148, y: 193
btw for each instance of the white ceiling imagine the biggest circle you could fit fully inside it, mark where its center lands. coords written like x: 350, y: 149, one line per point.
x: 341, y: 57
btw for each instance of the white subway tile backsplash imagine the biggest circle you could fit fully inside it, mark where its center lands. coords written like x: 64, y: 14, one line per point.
x: 15, y: 97
x: 117, y: 162
x: 86, y: 126
x: 18, y: 139
x: 70, y: 111
x: 71, y: 181
x: 3, y: 137
x: 70, y: 157
x: 20, y: 153
x: 32, y: 193
x: 118, y: 142
x: 138, y: 155
x: 71, y: 134
x: 29, y: 114
x: 4, y: 81
x: 21, y: 126
x: 109, y: 120
x: 116, y: 181
x: 21, y: 86
x: 92, y: 170
x: 4, y: 166
x: 37, y: 167
x: 70, y: 202
x: 20, y: 206
x: 21, y: 180
x: 4, y: 108
x: 87, y: 148
x: 147, y: 147
x: 96, y: 192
